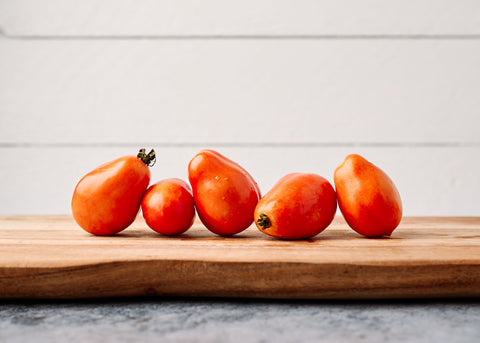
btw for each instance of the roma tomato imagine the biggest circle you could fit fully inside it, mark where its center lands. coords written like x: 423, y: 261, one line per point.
x: 367, y: 197
x: 224, y: 193
x: 107, y: 200
x: 168, y: 207
x: 298, y: 206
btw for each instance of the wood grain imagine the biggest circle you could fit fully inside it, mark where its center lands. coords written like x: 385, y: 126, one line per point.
x: 50, y: 257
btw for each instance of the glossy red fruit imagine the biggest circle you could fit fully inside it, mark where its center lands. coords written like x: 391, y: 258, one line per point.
x: 224, y: 193
x: 168, y: 207
x: 367, y: 197
x: 107, y: 199
x: 298, y: 206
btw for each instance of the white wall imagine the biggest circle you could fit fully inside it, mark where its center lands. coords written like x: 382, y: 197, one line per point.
x: 278, y: 86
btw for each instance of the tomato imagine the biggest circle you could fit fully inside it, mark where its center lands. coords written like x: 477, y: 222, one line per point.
x: 298, y: 206
x: 168, y: 207
x: 224, y: 193
x: 107, y: 199
x: 367, y: 197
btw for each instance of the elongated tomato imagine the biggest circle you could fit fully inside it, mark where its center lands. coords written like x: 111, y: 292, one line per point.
x: 107, y: 199
x: 298, y: 206
x: 367, y: 197
x: 225, y: 194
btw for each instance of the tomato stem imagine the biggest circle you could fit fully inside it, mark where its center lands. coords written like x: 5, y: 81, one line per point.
x: 149, y: 159
x: 263, y: 221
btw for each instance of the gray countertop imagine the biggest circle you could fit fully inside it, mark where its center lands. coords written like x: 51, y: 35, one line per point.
x: 228, y: 320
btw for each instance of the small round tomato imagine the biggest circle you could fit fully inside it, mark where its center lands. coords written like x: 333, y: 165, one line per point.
x: 168, y: 207
x: 298, y: 206
x: 107, y: 199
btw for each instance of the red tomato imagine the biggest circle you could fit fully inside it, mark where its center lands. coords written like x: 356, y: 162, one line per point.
x: 168, y: 207
x: 224, y: 193
x: 298, y: 206
x: 367, y: 197
x: 107, y: 200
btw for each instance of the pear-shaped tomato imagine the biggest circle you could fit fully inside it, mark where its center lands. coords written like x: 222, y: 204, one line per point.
x: 107, y: 200
x: 224, y: 193
x: 298, y: 206
x: 168, y: 208
x: 367, y: 197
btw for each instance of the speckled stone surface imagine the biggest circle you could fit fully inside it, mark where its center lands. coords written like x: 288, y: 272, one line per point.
x: 213, y: 320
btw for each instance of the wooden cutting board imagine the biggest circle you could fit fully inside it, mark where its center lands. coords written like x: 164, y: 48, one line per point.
x: 51, y: 257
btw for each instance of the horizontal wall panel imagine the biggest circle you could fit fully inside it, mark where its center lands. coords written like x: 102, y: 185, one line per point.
x: 250, y: 17
x: 432, y: 181
x: 231, y: 91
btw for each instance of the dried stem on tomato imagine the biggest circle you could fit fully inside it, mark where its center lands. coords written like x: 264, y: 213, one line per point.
x: 263, y: 221
x: 149, y: 159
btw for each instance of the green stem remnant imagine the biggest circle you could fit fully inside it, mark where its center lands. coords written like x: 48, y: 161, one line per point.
x: 263, y: 222
x: 149, y: 159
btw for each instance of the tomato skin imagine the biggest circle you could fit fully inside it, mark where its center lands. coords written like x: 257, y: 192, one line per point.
x: 167, y: 207
x: 367, y: 197
x: 298, y: 206
x: 224, y: 193
x: 107, y: 199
